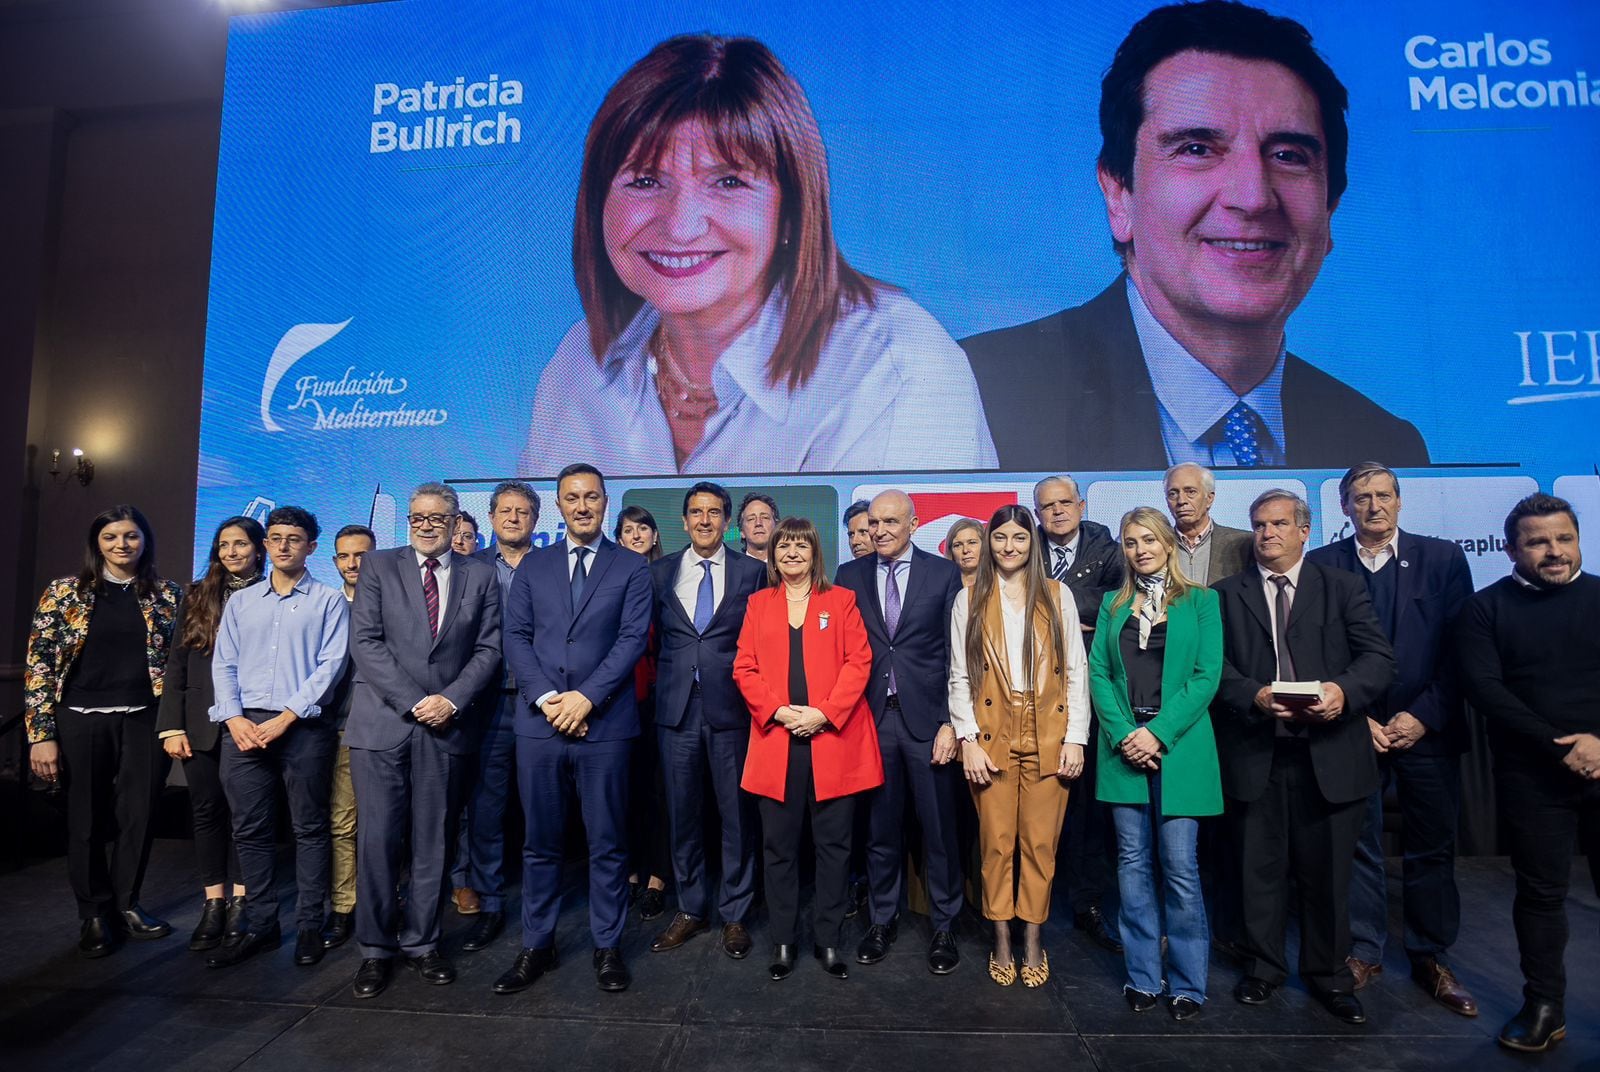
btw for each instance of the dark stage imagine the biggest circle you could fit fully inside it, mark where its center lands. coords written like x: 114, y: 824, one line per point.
x: 155, y: 1006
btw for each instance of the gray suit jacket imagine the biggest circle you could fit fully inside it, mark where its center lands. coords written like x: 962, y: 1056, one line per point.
x: 1231, y: 551
x: 397, y: 663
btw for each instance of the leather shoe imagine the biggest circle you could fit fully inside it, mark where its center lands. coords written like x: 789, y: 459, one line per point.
x: 652, y: 902
x: 609, y: 970
x: 96, y: 938
x: 529, y: 965
x: 876, y: 942
x: 484, y: 931
x: 1362, y: 971
x: 1346, y: 1007
x: 680, y: 930
x: 213, y: 923
x: 857, y: 901
x: 341, y: 925
x: 372, y: 978
x: 1537, y: 1026
x: 943, y: 956
x: 433, y: 967
x: 244, y: 946
x: 467, y: 902
x: 832, y: 962
x: 1442, y: 983
x: 235, y: 924
x: 142, y: 926
x: 308, y: 947
x: 782, y: 962
x: 1093, y: 923
x: 1184, y: 1008
x: 1138, y: 1000
x: 736, y: 940
x: 1252, y: 991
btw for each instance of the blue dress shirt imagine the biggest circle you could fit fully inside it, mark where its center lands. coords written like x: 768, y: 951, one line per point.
x: 280, y: 652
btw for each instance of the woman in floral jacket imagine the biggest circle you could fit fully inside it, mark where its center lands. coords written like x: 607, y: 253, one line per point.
x: 96, y: 657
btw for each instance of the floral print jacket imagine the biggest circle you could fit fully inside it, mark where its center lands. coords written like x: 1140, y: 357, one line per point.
x: 60, y: 626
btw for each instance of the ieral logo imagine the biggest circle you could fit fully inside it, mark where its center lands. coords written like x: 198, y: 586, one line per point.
x: 455, y: 115
x: 1558, y: 366
x: 339, y: 402
x: 1487, y: 90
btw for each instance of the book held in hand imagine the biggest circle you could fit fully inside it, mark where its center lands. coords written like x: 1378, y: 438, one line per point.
x: 1297, y: 695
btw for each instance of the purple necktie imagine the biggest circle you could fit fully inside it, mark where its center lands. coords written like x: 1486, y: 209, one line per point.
x: 430, y: 596
x: 891, y: 612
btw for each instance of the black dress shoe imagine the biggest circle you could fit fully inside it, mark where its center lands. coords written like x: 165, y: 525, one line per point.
x: 652, y: 903
x: 235, y: 922
x: 308, y: 947
x: 876, y: 942
x: 1184, y: 1008
x: 96, y: 938
x: 736, y: 940
x: 943, y: 956
x: 782, y: 962
x: 529, y: 965
x: 831, y: 961
x: 1138, y: 1000
x: 213, y: 924
x: 372, y: 978
x: 1093, y: 923
x: 609, y: 970
x: 244, y: 946
x: 484, y: 931
x: 1537, y: 1026
x: 1346, y: 1007
x: 141, y: 926
x: 432, y: 967
x: 341, y: 925
x: 1252, y: 991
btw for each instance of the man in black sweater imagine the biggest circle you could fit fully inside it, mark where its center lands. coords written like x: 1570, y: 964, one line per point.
x: 1529, y: 660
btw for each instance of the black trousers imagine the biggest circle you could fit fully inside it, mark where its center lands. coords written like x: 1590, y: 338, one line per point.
x: 1089, y: 844
x: 302, y: 761
x: 782, y: 824
x: 1548, y: 811
x: 208, y: 810
x: 113, y: 773
x: 1291, y: 831
x: 649, y: 834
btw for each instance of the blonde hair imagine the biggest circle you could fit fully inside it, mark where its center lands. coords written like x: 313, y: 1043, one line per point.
x: 1148, y: 517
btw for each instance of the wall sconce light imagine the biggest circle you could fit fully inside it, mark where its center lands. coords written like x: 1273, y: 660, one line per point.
x: 83, y: 468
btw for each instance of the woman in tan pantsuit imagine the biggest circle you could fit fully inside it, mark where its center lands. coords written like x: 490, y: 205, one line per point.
x: 1019, y: 701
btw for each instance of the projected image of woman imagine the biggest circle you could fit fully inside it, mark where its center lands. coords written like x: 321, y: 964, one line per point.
x: 723, y: 330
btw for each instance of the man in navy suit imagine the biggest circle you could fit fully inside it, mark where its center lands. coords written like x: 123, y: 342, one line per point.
x: 905, y: 596
x: 702, y: 722
x: 425, y: 638
x: 1417, y: 583
x: 575, y: 626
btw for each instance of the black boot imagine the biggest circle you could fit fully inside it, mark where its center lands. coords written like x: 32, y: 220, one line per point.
x: 213, y: 923
x: 1538, y: 1026
x: 235, y: 921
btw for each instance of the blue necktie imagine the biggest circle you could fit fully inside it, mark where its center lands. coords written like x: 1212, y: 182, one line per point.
x: 578, y: 577
x: 704, y: 600
x: 891, y: 612
x: 1241, y: 431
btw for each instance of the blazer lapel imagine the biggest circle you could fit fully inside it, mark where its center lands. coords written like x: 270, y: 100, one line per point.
x: 915, y: 583
x: 453, y: 598
x: 604, y: 552
x: 1306, y: 610
x: 669, y: 592
x: 1408, y: 568
x: 1253, y: 594
x: 405, y: 560
x: 1135, y: 433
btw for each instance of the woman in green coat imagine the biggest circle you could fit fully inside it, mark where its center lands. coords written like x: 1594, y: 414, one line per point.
x: 1154, y: 667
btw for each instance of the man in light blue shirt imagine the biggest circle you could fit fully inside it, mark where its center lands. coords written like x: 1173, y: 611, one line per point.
x: 281, y: 647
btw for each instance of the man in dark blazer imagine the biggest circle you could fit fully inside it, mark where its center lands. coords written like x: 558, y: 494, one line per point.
x: 905, y: 596
x: 1183, y: 357
x: 1417, y: 583
x: 425, y: 638
x: 575, y: 627
x: 1297, y: 776
x: 1207, y: 551
x: 702, y: 723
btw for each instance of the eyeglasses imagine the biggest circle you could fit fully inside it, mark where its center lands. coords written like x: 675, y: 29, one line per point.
x: 285, y: 541
x: 430, y: 521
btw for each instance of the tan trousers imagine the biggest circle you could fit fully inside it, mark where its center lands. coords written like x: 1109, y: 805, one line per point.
x: 342, y: 825
x: 1020, y: 813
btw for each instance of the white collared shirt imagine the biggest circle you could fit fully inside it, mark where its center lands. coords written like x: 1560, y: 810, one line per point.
x: 1070, y: 547
x: 1377, y: 558
x: 588, y: 559
x: 901, y: 576
x: 687, y: 585
x: 1293, y: 573
x: 441, y: 575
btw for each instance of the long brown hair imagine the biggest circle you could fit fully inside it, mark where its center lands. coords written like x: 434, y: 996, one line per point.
x: 757, y: 116
x: 203, y: 599
x: 1178, y: 584
x: 798, y: 528
x: 1040, y: 597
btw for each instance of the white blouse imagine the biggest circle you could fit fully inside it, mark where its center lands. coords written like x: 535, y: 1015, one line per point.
x: 962, y: 718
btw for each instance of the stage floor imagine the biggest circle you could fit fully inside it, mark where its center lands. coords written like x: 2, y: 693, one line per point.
x: 155, y: 1006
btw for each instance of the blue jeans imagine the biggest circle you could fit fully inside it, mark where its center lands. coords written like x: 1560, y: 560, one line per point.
x: 1175, y: 907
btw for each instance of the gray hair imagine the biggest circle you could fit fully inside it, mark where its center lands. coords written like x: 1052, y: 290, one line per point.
x: 1360, y: 471
x: 1208, y: 479
x: 438, y: 490
x: 514, y: 487
x: 1302, y: 509
x: 1059, y: 478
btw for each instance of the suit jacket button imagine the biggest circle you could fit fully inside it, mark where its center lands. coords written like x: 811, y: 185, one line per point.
x: 561, y: 669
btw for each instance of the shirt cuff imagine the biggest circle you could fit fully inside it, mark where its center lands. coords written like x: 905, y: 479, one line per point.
x: 540, y: 702
x: 164, y: 734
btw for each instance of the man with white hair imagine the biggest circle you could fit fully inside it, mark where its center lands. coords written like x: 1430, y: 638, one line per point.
x: 1207, y: 551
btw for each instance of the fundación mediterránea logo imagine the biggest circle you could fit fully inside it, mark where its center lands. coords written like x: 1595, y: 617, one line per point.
x: 346, y: 402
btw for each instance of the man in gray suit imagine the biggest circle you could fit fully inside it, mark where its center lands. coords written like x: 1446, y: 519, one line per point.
x: 1207, y: 552
x: 425, y: 637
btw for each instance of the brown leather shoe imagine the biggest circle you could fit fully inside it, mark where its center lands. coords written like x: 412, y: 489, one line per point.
x: 735, y: 940
x: 680, y: 930
x: 1363, y: 971
x: 1442, y: 983
x: 467, y: 903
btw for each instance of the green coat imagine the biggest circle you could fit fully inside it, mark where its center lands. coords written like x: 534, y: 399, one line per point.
x: 1190, y: 782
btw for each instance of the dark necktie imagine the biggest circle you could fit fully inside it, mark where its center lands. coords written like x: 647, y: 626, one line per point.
x: 1059, y: 565
x: 891, y: 611
x: 579, y: 576
x: 1280, y: 606
x: 430, y: 595
x: 1240, y: 429
x: 705, y: 599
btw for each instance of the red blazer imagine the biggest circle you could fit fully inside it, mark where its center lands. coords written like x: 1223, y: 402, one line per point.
x: 844, y: 756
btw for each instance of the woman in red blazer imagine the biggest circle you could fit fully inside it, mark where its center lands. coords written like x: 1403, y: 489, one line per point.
x: 803, y: 664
